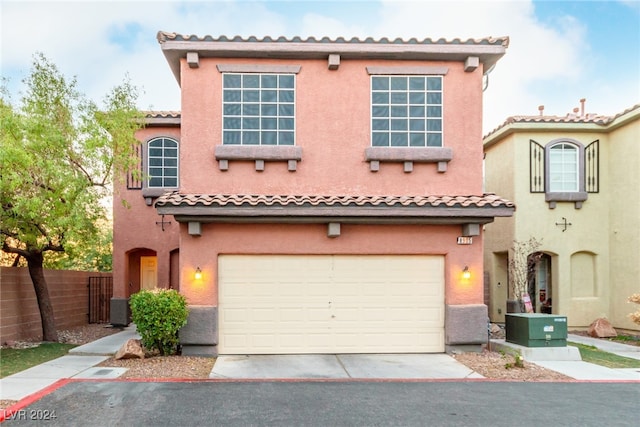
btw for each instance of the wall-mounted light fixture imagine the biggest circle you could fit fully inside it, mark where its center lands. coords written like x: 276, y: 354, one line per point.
x: 198, y: 274
x: 466, y: 274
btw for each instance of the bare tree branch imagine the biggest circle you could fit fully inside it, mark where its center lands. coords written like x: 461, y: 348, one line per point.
x: 16, y: 261
x: 11, y: 250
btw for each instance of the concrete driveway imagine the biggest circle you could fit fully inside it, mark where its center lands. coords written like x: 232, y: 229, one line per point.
x: 347, y: 366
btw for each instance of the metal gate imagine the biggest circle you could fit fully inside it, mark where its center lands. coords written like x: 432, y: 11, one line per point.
x: 100, y: 293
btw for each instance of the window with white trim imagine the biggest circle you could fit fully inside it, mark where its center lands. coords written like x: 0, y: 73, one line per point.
x: 258, y: 109
x: 406, y: 111
x: 162, y: 163
x: 563, y: 168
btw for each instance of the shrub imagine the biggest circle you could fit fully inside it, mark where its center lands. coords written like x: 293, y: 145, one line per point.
x: 158, y: 315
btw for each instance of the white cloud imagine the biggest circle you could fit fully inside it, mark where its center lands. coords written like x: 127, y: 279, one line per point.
x: 536, y: 53
x: 546, y: 63
x: 316, y: 25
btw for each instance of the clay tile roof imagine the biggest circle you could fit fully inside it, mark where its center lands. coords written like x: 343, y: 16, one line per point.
x: 161, y: 114
x: 162, y: 118
x: 220, y: 200
x: 164, y: 36
x: 596, y: 119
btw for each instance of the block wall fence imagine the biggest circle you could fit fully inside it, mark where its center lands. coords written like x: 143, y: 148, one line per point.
x: 19, y: 314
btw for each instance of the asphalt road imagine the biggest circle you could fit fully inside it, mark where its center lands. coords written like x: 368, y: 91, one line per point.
x: 335, y: 404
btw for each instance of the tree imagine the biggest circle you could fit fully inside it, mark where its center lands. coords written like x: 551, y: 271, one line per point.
x: 58, y: 154
x: 86, y: 255
x: 523, y: 258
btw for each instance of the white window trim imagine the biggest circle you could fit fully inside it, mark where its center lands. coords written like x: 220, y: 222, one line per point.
x: 408, y: 155
x: 578, y: 196
x: 408, y: 104
x: 151, y: 192
x: 260, y: 130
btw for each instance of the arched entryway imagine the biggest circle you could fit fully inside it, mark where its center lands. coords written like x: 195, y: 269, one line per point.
x: 142, y: 265
x: 540, y: 284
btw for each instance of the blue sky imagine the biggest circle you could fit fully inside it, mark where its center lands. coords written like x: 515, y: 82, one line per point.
x: 560, y: 51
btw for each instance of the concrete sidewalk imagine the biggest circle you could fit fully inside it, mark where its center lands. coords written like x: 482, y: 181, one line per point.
x: 81, y: 361
x: 624, y: 350
x: 588, y: 371
x: 567, y: 360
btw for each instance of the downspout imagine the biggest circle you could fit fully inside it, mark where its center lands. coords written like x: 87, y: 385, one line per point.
x: 485, y: 78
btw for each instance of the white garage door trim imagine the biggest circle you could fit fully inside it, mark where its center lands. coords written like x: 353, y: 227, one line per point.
x: 295, y: 304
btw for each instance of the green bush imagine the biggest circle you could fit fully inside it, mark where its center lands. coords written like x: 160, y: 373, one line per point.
x: 158, y: 316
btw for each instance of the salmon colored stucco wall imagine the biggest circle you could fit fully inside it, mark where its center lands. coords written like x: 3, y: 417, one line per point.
x: 135, y: 226
x: 311, y: 239
x: 333, y: 130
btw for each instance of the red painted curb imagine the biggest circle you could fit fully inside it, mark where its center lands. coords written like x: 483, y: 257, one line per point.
x: 26, y: 401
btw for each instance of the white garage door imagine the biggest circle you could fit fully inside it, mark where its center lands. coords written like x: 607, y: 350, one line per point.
x: 292, y: 304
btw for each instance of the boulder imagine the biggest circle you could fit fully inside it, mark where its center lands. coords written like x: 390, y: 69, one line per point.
x: 132, y: 349
x: 601, y: 328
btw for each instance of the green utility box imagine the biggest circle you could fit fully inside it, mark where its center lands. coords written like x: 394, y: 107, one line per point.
x: 536, y: 330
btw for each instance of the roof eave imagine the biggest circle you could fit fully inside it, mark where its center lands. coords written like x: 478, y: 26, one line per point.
x: 535, y: 124
x: 573, y: 127
x: 162, y: 122
x: 345, y: 214
x: 174, y: 50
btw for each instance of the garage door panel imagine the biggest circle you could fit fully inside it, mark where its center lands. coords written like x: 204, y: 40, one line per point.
x: 292, y: 342
x: 232, y: 315
x: 236, y: 340
x: 292, y: 315
x: 331, y: 304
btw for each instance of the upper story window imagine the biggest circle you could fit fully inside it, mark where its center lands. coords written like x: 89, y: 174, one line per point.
x: 162, y: 163
x: 563, y: 167
x: 406, y: 111
x: 258, y: 109
x: 565, y: 170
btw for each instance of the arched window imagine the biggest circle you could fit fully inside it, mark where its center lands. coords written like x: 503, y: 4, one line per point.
x: 563, y: 168
x: 162, y: 163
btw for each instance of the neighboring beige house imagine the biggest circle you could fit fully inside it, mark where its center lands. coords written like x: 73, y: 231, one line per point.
x: 575, y: 181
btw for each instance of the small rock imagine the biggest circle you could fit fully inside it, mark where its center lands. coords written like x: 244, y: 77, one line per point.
x: 132, y: 349
x: 601, y: 328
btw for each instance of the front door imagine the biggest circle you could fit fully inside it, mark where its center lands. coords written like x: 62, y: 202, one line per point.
x: 540, y: 284
x: 543, y: 285
x: 148, y: 272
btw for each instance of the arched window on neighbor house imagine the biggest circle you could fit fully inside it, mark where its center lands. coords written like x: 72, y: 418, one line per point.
x: 565, y: 170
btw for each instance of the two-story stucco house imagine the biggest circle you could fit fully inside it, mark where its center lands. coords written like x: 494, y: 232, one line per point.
x: 315, y: 196
x: 576, y: 182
